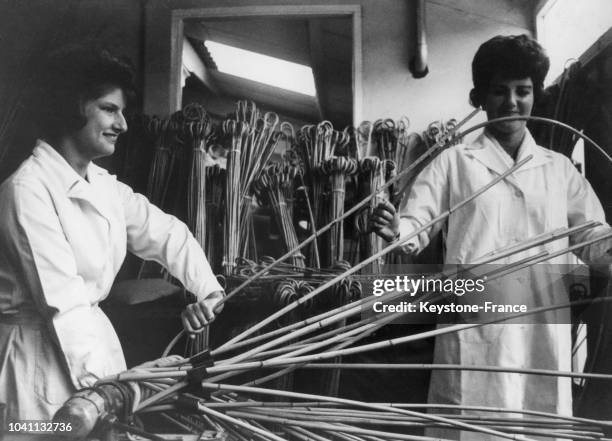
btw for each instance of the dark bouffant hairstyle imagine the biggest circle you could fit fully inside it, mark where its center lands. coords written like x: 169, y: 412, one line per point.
x: 512, y: 56
x: 69, y: 77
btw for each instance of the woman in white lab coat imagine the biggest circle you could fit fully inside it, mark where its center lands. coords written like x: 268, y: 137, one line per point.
x: 545, y: 194
x: 65, y: 227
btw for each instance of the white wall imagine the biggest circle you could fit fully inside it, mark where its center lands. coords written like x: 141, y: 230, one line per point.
x: 455, y: 29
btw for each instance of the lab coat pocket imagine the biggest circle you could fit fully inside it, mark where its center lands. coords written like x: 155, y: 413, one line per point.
x: 51, y: 383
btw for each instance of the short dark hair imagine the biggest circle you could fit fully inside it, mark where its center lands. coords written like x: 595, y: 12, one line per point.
x: 69, y: 77
x: 512, y: 56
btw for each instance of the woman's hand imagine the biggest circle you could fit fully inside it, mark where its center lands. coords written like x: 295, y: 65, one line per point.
x: 384, y: 221
x: 200, y: 314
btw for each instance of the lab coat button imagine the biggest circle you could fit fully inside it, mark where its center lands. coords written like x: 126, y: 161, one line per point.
x: 518, y: 193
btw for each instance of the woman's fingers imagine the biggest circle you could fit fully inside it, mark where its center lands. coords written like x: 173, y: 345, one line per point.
x: 383, y: 214
x: 384, y: 217
x: 190, y: 323
x: 197, y: 316
x: 384, y: 221
x: 386, y: 206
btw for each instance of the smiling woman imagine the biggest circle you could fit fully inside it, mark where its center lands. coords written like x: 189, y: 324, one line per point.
x: 509, y: 97
x: 65, y: 227
x: 105, y: 122
x: 548, y: 193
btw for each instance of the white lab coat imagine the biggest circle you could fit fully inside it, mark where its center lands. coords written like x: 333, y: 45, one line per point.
x: 62, y: 242
x: 545, y: 194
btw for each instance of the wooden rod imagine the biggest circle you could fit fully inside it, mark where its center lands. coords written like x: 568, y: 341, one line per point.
x: 280, y: 393
x: 459, y: 367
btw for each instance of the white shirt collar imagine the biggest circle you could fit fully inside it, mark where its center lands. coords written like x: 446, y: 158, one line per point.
x: 59, y: 168
x: 487, y: 150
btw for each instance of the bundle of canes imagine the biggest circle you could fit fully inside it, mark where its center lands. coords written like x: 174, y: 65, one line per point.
x: 337, y: 169
x: 274, y: 188
x: 241, y: 415
x: 215, y: 189
x: 402, y: 136
x: 409, y: 147
x: 247, y: 248
x: 195, y: 131
x: 237, y: 133
x: 162, y: 131
x: 311, y: 147
x: 437, y: 130
x: 261, y: 143
x: 252, y: 142
x: 286, y: 143
x: 397, y: 147
x: 316, y: 145
x: 389, y: 141
x: 247, y: 112
x: 371, y: 178
x: 386, y: 134
x: 288, y: 291
x: 294, y: 158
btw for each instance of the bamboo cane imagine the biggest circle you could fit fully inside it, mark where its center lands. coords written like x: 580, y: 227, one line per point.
x: 324, y: 426
x: 399, y: 340
x: 319, y: 406
x: 257, y: 390
x: 265, y: 434
x: 380, y: 418
x: 558, y: 253
x: 460, y: 367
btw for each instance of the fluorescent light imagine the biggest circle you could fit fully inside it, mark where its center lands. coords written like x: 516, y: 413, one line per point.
x: 262, y: 68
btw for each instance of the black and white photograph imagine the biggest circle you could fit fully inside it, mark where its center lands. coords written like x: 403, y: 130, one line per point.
x: 305, y: 220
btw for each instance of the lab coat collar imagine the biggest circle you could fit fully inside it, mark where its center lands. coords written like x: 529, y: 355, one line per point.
x: 489, y: 152
x: 68, y: 180
x: 56, y: 166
